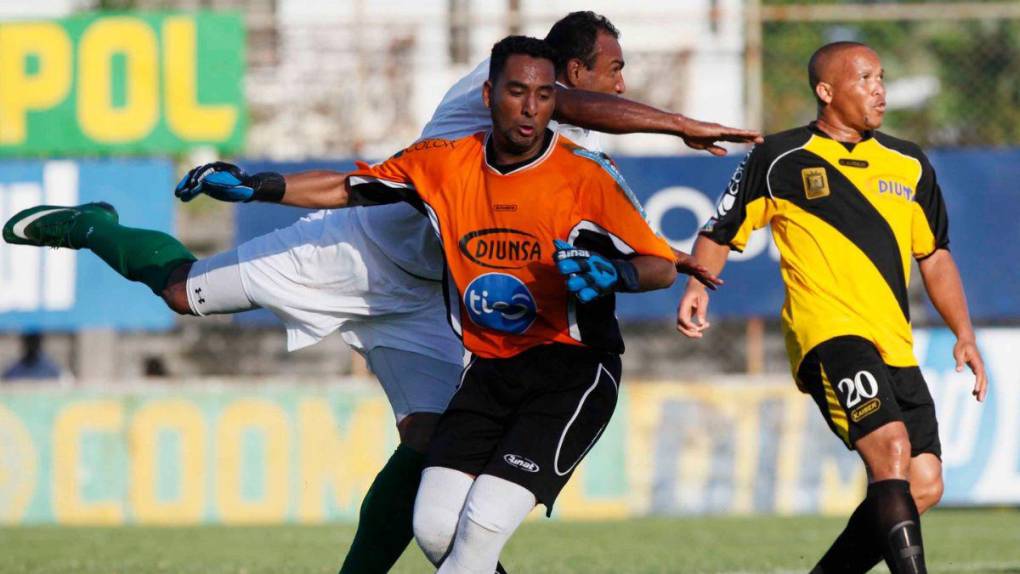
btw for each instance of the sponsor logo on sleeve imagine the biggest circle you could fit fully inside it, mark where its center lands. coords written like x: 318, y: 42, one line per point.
x: 728, y: 199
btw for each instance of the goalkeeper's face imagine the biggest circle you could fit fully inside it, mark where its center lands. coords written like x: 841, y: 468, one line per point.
x: 858, y: 89
x: 521, y: 102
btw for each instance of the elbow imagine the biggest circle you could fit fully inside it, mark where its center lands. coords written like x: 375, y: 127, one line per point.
x: 663, y: 275
x: 670, y: 276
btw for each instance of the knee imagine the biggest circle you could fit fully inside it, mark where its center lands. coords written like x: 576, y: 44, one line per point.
x: 437, y: 509
x: 434, y: 528
x: 416, y: 430
x: 175, y: 294
x: 927, y: 492
x: 886, y: 452
x: 489, y: 515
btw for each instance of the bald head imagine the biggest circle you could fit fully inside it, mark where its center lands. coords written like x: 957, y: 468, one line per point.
x: 849, y: 85
x: 827, y: 63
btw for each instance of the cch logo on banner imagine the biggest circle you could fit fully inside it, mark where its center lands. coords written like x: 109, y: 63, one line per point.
x: 62, y: 289
x: 127, y: 83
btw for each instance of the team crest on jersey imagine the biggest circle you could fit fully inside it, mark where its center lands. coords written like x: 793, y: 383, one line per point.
x: 501, y: 248
x: 500, y: 302
x: 816, y: 183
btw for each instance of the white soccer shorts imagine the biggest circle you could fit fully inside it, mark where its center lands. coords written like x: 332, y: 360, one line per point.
x: 320, y: 275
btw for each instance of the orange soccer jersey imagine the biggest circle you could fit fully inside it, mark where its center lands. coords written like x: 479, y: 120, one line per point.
x: 497, y: 231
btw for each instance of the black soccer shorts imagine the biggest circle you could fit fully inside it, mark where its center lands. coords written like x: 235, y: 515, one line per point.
x: 528, y: 419
x: 857, y: 393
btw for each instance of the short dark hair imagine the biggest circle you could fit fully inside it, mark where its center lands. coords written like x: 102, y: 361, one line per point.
x: 512, y: 45
x: 574, y: 36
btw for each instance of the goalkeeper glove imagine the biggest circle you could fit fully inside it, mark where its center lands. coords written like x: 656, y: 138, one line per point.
x: 227, y: 182
x: 590, y: 275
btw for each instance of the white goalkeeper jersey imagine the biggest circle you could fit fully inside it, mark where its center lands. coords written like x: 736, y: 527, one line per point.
x: 462, y: 113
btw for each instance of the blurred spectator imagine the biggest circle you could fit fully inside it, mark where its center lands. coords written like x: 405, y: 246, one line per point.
x: 33, y: 364
x: 154, y: 367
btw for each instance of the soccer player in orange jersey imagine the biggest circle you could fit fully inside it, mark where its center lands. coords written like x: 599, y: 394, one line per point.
x: 537, y: 313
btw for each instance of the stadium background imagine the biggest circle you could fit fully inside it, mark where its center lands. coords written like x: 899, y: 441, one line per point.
x: 159, y: 420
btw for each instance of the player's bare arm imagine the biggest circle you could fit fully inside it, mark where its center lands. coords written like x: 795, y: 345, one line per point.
x: 692, y: 312
x: 313, y: 189
x: 653, y: 272
x: 316, y: 189
x: 615, y: 115
x: 945, y: 289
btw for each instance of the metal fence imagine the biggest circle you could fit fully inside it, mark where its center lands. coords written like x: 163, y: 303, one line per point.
x: 951, y: 67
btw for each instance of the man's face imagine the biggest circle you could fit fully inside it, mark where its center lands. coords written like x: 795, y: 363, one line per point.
x: 606, y: 75
x: 521, y: 102
x: 858, y: 89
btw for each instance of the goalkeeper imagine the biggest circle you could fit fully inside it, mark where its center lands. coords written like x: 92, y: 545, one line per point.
x: 375, y: 274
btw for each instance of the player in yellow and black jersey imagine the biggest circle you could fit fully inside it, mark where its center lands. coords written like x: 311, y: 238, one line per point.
x: 849, y: 207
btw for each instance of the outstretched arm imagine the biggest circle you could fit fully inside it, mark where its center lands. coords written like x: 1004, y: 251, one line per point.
x: 616, y: 115
x: 653, y: 272
x: 945, y: 289
x: 316, y: 189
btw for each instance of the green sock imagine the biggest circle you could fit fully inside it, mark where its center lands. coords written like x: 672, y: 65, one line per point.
x: 384, y: 527
x: 141, y: 255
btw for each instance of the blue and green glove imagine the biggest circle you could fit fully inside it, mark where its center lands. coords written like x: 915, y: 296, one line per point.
x: 590, y: 275
x: 227, y: 182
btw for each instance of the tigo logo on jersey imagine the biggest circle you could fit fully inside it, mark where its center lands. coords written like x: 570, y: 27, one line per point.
x: 501, y: 248
x: 500, y: 302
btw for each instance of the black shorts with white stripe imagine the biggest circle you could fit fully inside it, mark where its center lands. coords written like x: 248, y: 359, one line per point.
x: 529, y: 419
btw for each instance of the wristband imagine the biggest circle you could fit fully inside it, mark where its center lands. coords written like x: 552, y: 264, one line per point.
x: 268, y: 186
x: 628, y: 276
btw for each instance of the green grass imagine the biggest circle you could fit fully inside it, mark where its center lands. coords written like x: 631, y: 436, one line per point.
x: 956, y: 541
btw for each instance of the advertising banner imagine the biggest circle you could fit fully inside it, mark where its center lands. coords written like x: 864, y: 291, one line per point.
x: 679, y: 195
x: 124, y: 83
x: 175, y: 454
x: 61, y: 289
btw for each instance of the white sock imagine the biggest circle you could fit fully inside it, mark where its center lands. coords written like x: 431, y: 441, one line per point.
x: 493, y: 511
x: 437, y: 508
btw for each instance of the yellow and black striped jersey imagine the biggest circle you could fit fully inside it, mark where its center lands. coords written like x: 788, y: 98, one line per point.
x: 846, y: 218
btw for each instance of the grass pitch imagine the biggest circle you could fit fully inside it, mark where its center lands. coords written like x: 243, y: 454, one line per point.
x: 956, y: 541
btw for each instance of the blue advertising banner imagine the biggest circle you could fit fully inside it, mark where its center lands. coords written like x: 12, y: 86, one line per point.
x: 679, y: 194
x: 48, y: 289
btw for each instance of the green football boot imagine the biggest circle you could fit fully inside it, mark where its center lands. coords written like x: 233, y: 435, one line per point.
x: 51, y: 225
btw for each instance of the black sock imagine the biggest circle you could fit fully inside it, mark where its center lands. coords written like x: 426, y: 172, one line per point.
x: 384, y: 526
x: 854, y: 550
x: 885, y: 525
x: 897, y: 526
